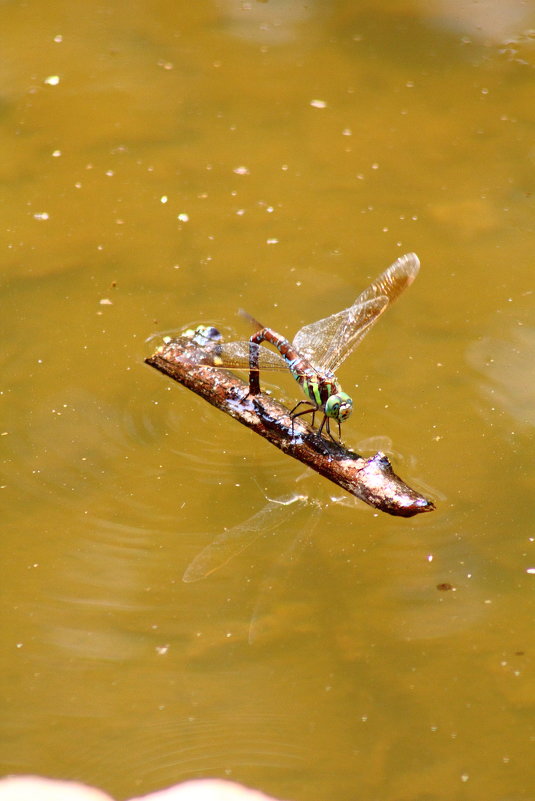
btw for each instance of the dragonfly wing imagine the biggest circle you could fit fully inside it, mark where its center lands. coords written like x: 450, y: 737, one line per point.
x: 253, y: 322
x: 236, y: 354
x: 352, y: 330
x: 395, y: 280
x: 326, y: 343
x: 232, y: 542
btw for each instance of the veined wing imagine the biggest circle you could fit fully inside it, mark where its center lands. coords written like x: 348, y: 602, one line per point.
x: 328, y: 342
x: 232, y: 542
x: 237, y: 354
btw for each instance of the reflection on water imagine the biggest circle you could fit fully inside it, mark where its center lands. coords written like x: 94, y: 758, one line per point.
x: 508, y: 383
x: 272, y: 615
x: 230, y: 543
x: 417, y: 574
x: 270, y: 23
x: 497, y: 21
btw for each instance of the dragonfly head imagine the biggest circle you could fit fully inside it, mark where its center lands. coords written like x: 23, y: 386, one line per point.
x: 339, y: 406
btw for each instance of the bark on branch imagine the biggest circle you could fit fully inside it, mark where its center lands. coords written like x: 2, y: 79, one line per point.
x: 372, y: 480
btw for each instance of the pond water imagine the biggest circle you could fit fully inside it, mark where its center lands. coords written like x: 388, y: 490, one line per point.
x: 163, y: 164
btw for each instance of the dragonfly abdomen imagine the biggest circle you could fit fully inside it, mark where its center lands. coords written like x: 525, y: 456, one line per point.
x: 318, y: 388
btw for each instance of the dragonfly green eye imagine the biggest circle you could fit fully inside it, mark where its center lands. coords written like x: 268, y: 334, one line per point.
x: 339, y: 406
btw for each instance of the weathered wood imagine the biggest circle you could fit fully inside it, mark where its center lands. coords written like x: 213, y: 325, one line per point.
x: 372, y: 480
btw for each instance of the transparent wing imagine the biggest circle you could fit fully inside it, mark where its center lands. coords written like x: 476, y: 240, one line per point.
x: 236, y: 354
x: 253, y: 322
x: 328, y: 342
x: 232, y: 542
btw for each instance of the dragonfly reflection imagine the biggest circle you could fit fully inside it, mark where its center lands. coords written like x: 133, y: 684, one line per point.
x: 275, y: 514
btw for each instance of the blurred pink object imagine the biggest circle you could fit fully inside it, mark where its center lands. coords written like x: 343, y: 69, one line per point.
x: 34, y: 788
x: 206, y: 790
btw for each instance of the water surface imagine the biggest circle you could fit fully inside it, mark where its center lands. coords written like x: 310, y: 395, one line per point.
x: 163, y: 165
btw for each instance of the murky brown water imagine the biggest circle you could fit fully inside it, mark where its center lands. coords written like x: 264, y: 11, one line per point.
x: 162, y: 164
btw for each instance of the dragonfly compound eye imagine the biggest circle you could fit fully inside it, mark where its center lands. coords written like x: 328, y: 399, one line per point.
x: 339, y: 406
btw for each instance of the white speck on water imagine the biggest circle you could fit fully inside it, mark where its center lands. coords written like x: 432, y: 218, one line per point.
x: 241, y: 170
x: 163, y: 199
x: 52, y: 80
x: 41, y: 215
x: 183, y: 217
x: 318, y: 104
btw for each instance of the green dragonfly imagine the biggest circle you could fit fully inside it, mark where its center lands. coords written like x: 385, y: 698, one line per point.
x: 317, y: 349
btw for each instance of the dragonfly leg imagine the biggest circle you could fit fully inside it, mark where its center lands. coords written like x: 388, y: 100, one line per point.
x: 294, y: 413
x: 254, y: 373
x: 305, y: 411
x: 327, y: 423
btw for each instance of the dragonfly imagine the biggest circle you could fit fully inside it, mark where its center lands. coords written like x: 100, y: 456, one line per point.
x: 318, y: 349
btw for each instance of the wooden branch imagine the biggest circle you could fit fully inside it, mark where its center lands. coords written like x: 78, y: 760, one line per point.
x: 372, y: 480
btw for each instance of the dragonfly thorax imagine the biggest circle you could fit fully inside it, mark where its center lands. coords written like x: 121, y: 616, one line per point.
x: 339, y: 406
